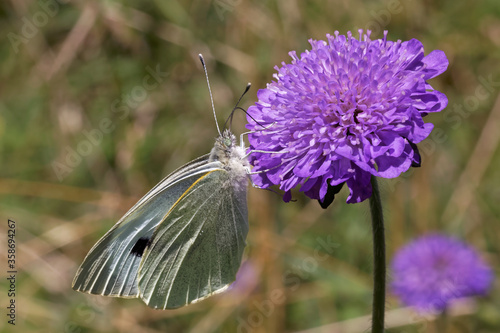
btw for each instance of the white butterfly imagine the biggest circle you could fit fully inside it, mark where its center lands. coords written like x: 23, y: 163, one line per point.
x: 183, y: 241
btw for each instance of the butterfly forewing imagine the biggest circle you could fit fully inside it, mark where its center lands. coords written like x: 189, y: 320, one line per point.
x: 197, y: 250
x: 112, y: 264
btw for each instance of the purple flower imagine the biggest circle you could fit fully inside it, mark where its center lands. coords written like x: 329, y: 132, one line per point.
x: 342, y: 112
x: 246, y: 278
x: 433, y: 270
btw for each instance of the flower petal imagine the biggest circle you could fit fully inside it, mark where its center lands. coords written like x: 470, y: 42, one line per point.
x: 343, y: 111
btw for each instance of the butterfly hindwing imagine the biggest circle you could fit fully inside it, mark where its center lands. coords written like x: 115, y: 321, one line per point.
x: 197, y: 249
x: 112, y: 264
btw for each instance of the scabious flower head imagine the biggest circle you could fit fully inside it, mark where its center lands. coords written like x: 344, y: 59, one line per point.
x: 345, y: 110
x: 434, y: 270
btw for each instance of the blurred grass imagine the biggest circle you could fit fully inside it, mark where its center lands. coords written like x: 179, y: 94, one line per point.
x: 74, y: 72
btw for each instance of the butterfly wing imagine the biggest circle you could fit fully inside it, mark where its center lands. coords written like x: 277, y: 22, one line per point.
x: 196, y: 251
x: 111, y: 266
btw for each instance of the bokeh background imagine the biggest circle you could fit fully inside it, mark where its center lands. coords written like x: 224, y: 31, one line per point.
x: 85, y: 132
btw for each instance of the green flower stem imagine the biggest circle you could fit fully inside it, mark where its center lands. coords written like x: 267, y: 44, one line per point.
x: 378, y: 311
x: 441, y: 322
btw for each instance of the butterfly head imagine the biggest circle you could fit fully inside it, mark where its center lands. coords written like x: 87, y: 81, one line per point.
x: 227, y: 151
x: 224, y: 144
x: 228, y: 139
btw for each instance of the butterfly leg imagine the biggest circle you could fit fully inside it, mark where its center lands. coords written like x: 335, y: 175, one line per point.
x: 242, y: 143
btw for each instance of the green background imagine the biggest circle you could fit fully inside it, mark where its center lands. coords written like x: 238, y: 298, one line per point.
x: 69, y: 66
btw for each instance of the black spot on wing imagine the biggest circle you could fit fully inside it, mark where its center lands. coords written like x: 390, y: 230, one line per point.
x: 140, y: 246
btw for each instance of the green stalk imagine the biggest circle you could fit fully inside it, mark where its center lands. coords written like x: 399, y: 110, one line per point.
x: 378, y: 311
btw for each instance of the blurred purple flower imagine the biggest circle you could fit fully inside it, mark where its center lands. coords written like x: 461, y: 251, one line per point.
x: 246, y: 278
x: 343, y: 111
x: 433, y: 270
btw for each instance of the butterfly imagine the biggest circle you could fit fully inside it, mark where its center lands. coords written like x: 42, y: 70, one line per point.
x: 184, y: 240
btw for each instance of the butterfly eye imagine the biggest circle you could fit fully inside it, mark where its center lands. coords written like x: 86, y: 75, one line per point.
x: 227, y: 142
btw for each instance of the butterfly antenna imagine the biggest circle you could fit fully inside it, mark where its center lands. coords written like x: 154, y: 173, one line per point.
x: 236, y: 107
x: 246, y: 90
x: 209, y: 91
